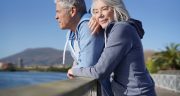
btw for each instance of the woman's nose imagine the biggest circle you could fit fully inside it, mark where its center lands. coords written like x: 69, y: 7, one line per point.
x: 100, y: 15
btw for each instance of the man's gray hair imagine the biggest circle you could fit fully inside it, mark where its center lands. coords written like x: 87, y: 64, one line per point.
x: 120, y: 11
x: 79, y: 4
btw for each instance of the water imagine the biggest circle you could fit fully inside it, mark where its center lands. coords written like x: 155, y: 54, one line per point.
x: 17, y: 79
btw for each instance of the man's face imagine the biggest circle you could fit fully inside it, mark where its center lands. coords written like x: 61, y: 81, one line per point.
x: 63, y: 16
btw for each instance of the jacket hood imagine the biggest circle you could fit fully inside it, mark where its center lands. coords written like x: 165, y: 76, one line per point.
x: 138, y: 26
x: 85, y: 17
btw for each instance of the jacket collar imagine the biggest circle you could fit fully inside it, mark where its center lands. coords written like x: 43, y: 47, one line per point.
x: 85, y: 17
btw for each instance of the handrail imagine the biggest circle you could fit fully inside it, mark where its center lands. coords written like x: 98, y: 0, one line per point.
x: 74, y: 87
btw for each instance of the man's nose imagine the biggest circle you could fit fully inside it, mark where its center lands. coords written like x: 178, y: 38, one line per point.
x: 56, y: 17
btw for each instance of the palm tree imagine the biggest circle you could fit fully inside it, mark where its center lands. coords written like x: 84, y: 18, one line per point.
x: 170, y: 58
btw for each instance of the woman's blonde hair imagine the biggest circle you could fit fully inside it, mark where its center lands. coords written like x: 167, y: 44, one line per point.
x: 120, y: 11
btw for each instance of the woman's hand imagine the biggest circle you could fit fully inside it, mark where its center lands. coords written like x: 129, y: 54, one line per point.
x: 70, y: 74
x: 94, y: 26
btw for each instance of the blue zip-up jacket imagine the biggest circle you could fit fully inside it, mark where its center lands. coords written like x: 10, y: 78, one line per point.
x: 123, y: 55
x: 90, y: 46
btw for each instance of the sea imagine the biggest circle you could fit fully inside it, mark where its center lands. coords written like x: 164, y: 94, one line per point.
x: 17, y: 79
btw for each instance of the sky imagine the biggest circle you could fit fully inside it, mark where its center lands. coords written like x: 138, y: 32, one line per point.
x: 28, y: 24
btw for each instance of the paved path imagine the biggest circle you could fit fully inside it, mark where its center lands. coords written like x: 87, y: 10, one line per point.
x: 165, y: 92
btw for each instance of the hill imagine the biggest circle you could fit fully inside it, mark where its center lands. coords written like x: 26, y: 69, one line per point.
x: 39, y: 56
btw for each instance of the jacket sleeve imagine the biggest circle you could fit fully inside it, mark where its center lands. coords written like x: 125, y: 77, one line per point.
x: 118, y: 45
x: 90, y: 46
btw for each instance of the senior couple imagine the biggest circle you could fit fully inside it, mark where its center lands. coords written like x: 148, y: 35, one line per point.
x: 107, y: 42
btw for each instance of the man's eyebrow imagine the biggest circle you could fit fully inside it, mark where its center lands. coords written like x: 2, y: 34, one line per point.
x: 57, y: 10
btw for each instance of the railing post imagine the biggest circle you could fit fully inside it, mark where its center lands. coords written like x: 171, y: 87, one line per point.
x: 95, y: 90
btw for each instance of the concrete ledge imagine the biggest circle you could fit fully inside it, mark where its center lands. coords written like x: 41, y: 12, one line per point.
x: 167, y: 81
x: 75, y: 87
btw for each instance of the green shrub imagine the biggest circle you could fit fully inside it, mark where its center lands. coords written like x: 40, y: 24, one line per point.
x: 151, y: 66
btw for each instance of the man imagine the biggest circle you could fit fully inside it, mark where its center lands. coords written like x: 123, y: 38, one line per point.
x: 84, y: 47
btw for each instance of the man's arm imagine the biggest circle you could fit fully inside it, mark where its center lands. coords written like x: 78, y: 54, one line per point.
x: 91, y: 46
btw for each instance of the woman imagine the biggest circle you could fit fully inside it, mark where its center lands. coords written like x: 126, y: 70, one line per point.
x: 123, y: 52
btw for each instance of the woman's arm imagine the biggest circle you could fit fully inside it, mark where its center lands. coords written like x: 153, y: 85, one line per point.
x: 118, y: 45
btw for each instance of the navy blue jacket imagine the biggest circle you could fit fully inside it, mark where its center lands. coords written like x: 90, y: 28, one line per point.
x: 123, y: 55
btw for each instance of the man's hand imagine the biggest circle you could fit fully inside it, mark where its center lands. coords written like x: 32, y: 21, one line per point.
x: 70, y: 74
x: 94, y: 26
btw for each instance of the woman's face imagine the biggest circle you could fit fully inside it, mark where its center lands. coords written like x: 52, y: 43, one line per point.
x: 103, y: 13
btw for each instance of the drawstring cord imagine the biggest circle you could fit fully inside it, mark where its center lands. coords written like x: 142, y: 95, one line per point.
x: 105, y: 38
x: 65, y: 47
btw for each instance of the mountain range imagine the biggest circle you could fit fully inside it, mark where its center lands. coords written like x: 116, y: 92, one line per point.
x: 39, y: 56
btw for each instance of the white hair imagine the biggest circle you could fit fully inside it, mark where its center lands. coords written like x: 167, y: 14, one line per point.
x: 120, y: 11
x: 79, y: 4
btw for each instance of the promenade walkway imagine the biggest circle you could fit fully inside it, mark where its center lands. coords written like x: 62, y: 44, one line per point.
x: 165, y: 92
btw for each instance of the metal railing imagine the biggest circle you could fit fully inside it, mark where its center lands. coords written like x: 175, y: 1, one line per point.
x: 74, y: 87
